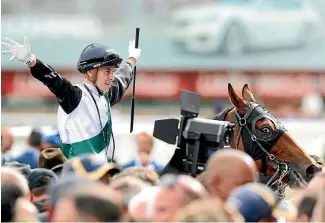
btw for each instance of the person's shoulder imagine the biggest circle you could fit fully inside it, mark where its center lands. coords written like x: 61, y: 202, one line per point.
x: 157, y: 165
x: 129, y: 164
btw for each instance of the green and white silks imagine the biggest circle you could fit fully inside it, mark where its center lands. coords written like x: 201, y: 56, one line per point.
x: 81, y: 131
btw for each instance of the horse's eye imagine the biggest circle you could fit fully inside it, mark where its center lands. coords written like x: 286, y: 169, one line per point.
x: 265, y: 130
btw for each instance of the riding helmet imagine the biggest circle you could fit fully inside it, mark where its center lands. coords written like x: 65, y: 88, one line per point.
x: 97, y: 55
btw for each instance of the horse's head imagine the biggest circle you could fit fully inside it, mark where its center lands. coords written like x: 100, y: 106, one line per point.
x: 265, y: 139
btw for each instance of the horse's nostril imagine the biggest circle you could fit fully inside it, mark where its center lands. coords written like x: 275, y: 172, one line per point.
x: 312, y: 170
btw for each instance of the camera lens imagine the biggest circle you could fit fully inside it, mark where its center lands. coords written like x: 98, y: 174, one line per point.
x: 228, y: 137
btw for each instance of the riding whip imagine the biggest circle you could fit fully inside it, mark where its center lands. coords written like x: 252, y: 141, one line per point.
x: 137, y: 32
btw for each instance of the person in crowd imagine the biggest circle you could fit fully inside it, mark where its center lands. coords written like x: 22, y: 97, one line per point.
x: 24, y: 169
x: 92, y: 167
x: 145, y: 174
x: 38, y: 182
x: 227, y: 170
x: 86, y: 208
x: 176, y: 191
x: 7, y: 141
x: 52, y: 159
x: 129, y: 186
x: 15, y: 207
x: 205, y: 210
x: 257, y: 202
x: 141, y: 206
x: 31, y: 154
x: 145, y: 144
x: 11, y: 177
x: 64, y: 208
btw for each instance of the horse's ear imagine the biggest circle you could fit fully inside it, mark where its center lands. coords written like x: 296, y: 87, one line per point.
x: 247, y: 94
x: 235, y: 99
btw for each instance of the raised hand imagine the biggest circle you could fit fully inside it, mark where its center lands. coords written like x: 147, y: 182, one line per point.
x: 18, y: 51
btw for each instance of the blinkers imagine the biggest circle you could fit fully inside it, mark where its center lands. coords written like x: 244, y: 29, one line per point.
x: 254, y: 114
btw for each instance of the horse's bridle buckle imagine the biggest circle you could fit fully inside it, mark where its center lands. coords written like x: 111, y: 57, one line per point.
x: 242, y: 122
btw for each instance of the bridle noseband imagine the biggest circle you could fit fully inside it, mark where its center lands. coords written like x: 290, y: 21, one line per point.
x: 258, y: 145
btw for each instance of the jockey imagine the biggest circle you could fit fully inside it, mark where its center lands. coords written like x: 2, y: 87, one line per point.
x: 84, y: 114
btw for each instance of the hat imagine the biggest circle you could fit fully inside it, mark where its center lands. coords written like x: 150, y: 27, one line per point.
x: 21, y: 167
x: 50, y: 158
x: 92, y: 167
x: 54, y: 139
x: 35, y: 178
x: 255, y: 201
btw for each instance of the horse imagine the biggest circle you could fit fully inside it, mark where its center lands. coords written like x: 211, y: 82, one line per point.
x: 265, y: 139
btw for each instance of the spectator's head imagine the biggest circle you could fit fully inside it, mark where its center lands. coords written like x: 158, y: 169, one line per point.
x: 129, y: 186
x: 144, y: 147
x: 176, y: 191
x: 22, y: 168
x: 7, y: 139
x: 35, y: 140
x: 141, y: 206
x: 38, y: 182
x: 50, y: 158
x: 64, y: 192
x: 145, y: 174
x: 11, y: 177
x: 206, y: 210
x: 65, y: 186
x: 92, y: 167
x: 255, y: 201
x: 86, y: 208
x: 229, y: 169
x: 144, y: 143
x: 15, y: 207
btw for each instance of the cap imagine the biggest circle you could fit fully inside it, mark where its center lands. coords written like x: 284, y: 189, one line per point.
x: 35, y: 178
x: 90, y: 166
x: 54, y: 140
x: 21, y: 167
x: 255, y: 201
x: 51, y: 157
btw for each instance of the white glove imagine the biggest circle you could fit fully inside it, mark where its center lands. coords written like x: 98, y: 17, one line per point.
x: 18, y: 51
x: 134, y: 52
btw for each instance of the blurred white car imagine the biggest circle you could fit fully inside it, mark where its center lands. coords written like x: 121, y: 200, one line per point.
x: 236, y: 26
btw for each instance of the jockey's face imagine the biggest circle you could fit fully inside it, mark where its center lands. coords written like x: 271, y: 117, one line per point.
x: 105, y: 77
x: 102, y: 77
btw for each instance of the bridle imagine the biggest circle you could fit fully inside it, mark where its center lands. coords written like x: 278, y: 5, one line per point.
x: 258, y: 145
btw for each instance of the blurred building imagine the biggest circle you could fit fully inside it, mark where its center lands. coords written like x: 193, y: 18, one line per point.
x: 58, y: 30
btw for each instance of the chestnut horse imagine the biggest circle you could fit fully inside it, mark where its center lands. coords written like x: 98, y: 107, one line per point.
x: 265, y: 139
